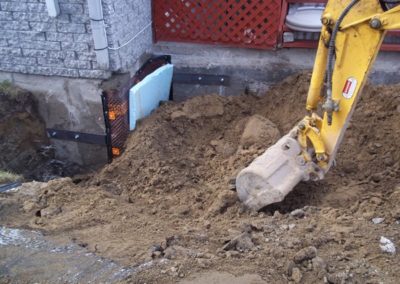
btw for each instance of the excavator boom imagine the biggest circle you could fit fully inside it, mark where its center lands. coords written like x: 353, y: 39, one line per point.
x: 351, y: 36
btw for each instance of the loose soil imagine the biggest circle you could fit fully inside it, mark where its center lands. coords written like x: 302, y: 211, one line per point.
x: 171, y: 196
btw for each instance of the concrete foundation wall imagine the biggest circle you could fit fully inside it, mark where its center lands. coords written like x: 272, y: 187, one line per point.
x: 68, y: 104
x: 254, y: 70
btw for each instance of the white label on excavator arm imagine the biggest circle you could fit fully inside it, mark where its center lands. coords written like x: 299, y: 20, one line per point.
x: 349, y: 87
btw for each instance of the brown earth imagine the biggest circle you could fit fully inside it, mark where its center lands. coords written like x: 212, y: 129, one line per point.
x: 22, y: 131
x: 24, y: 146
x: 171, y: 195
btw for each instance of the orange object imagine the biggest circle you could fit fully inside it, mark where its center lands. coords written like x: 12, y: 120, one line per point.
x: 111, y: 115
x: 116, y: 151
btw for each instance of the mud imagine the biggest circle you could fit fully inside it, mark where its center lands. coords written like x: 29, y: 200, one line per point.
x: 27, y: 256
x: 171, y: 195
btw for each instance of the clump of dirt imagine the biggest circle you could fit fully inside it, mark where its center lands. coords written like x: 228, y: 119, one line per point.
x: 171, y: 195
x: 24, y: 146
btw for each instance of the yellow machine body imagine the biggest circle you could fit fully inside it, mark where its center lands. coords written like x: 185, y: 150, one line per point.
x: 274, y: 174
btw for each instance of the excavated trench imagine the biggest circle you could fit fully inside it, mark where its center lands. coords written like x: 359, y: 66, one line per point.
x: 25, y: 149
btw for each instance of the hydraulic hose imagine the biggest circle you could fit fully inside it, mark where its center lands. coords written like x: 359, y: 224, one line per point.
x: 329, y: 105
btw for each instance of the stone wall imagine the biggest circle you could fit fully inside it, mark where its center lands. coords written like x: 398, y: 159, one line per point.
x: 31, y: 42
x: 127, y: 20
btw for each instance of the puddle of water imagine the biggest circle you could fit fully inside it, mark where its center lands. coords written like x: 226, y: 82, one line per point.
x: 27, y: 256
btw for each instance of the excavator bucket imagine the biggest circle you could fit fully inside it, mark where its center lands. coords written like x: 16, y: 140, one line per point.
x: 271, y: 176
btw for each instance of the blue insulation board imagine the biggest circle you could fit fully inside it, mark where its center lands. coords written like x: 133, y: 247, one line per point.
x: 146, y: 95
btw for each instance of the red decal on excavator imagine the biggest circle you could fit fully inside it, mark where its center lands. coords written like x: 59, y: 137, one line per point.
x: 349, y: 88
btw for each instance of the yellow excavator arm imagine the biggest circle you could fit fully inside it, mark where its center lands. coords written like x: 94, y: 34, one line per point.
x: 351, y: 36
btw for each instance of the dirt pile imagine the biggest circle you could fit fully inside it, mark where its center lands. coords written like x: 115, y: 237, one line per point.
x: 171, y: 195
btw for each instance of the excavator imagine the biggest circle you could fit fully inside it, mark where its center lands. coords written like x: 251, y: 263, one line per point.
x: 351, y: 36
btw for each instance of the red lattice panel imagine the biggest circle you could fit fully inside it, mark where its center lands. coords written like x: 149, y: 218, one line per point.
x: 244, y: 23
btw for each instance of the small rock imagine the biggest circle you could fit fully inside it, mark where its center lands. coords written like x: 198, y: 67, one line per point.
x: 257, y: 130
x: 155, y: 251
x: 257, y: 225
x: 29, y: 206
x: 242, y: 242
x: 253, y: 213
x: 50, y: 211
x: 318, y: 263
x: 378, y: 220
x: 170, y: 253
x: 298, y: 213
x: 277, y: 214
x: 177, y: 114
x: 289, y: 268
x: 173, y: 252
x: 387, y: 245
x: 305, y: 254
x: 377, y: 177
x: 310, y: 228
x: 173, y: 271
x: 204, y: 263
x: 201, y: 237
x: 375, y: 200
x: 291, y: 226
x: 319, y: 266
x: 246, y: 228
x: 184, y: 210
x: 232, y: 254
x: 284, y: 227
x: 296, y: 275
x: 337, y: 278
x: 172, y: 240
x: 308, y: 265
x: 389, y: 161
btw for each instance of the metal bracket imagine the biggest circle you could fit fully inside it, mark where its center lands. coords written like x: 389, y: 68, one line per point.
x: 201, y: 79
x: 80, y: 137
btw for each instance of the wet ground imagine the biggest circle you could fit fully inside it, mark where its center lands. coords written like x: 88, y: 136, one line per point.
x: 30, y: 257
